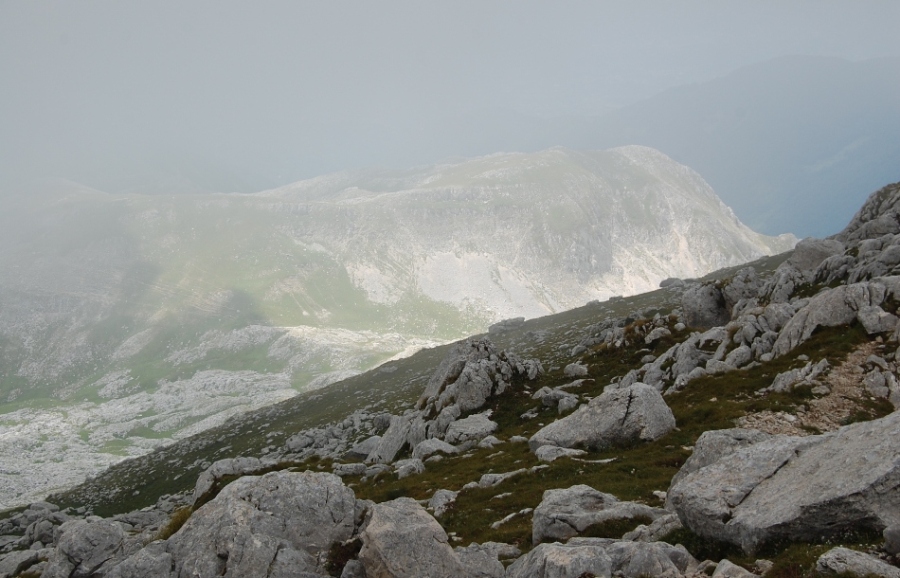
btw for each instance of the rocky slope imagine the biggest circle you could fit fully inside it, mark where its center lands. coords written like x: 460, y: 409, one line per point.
x: 130, y: 321
x: 597, y: 442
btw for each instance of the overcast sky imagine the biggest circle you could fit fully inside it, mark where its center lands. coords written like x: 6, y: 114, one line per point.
x: 248, y: 95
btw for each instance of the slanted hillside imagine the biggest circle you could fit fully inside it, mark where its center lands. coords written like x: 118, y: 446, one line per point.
x: 744, y: 421
x: 129, y: 321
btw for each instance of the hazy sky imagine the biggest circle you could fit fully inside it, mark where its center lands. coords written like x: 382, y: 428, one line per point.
x: 245, y: 95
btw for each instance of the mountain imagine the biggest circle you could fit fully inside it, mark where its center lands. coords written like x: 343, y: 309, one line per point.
x: 746, y: 419
x: 128, y: 321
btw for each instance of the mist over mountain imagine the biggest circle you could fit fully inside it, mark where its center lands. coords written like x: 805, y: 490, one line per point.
x: 127, y: 321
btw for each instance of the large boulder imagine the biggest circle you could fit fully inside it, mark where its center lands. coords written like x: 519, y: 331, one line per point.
x: 393, y: 440
x: 150, y: 561
x: 564, y: 513
x: 796, y: 488
x: 87, y: 549
x: 279, y: 524
x: 617, y: 417
x: 714, y: 444
x: 879, y: 215
x: 562, y: 561
x: 845, y: 561
x: 400, y: 539
x: 705, y: 306
x: 474, y: 427
x: 810, y: 252
x: 833, y: 308
x: 603, y: 558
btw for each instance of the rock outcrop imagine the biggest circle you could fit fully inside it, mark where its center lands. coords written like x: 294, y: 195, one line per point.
x: 565, y: 513
x: 796, y: 488
x: 619, y: 416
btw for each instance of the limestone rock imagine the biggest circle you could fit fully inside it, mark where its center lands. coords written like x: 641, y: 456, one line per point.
x: 809, y: 253
x: 796, y: 488
x: 362, y: 449
x: 575, y: 370
x: 441, y: 501
x: 410, y: 467
x: 152, y: 560
x: 562, y: 561
x: 86, y: 549
x: 552, y: 453
x: 832, y: 308
x: 474, y: 427
x: 432, y: 446
x: 654, y: 531
x: 846, y: 561
x: 715, y: 444
x: 482, y: 561
x: 401, y: 539
x: 704, y: 306
x: 639, y: 559
x: 564, y: 513
x: 15, y: 562
x: 393, y: 440
x: 618, y: 416
x: 283, y: 521
x: 727, y: 569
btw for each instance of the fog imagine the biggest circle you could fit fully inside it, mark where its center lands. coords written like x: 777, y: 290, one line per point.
x: 226, y: 96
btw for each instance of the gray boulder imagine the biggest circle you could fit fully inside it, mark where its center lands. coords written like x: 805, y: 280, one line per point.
x: 715, y: 444
x: 474, y: 427
x: 432, y: 446
x: 410, y: 467
x: 87, y: 549
x: 562, y: 561
x: 564, y: 513
x: 441, y: 501
x: 705, y: 306
x: 728, y: 569
x: 400, y: 539
x: 833, y: 308
x: 876, y: 320
x: 152, y: 560
x: 227, y: 467
x: 393, y: 440
x: 362, y: 449
x: 809, y: 253
x: 639, y: 559
x: 892, y: 539
x: 482, y: 560
x: 279, y: 524
x: 654, y: 531
x: 846, y: 561
x: 552, y: 453
x: 575, y: 370
x: 796, y: 488
x: 15, y: 562
x: 618, y: 416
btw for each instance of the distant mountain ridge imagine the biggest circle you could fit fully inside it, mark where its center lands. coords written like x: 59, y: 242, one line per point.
x: 553, y: 230
x: 127, y: 321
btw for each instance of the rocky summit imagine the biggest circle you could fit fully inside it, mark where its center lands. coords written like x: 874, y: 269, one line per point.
x: 130, y: 321
x: 738, y: 425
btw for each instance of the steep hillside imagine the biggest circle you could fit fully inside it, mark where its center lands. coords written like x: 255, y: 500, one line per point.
x: 747, y: 418
x: 130, y: 321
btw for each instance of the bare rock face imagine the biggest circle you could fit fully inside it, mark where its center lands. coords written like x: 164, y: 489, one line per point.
x: 618, y: 416
x: 705, y: 306
x: 879, y: 215
x: 279, y: 524
x: 87, y: 549
x: 835, y: 307
x: 796, y: 488
x: 562, y: 561
x: 714, y: 444
x: 151, y: 561
x: 565, y: 513
x: 400, y: 539
x: 846, y: 561
x: 603, y: 558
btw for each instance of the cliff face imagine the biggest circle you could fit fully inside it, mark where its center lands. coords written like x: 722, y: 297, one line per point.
x: 527, y: 234
x: 129, y: 321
